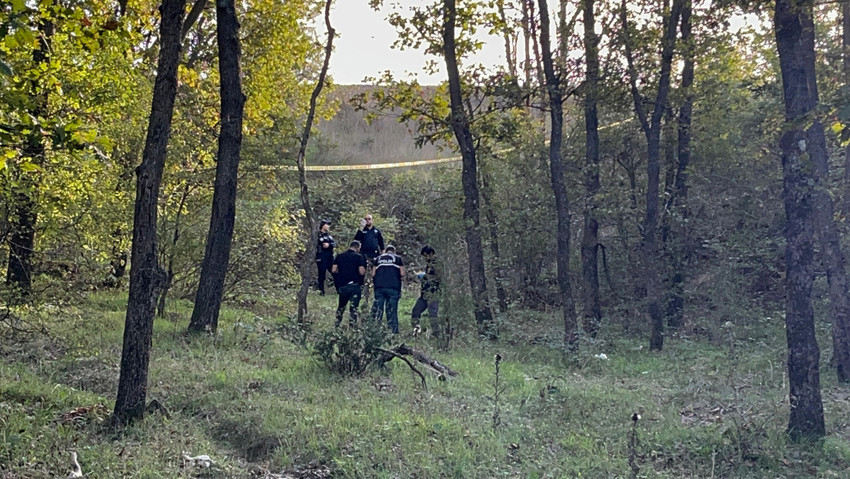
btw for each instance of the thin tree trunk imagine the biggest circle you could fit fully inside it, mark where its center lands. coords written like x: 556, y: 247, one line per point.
x: 510, y: 54
x: 469, y: 179
x: 590, y: 232
x: 169, y: 270
x: 652, y: 130
x: 307, y: 264
x: 24, y: 210
x: 492, y: 226
x: 845, y: 43
x: 794, y: 30
x: 679, y: 196
x: 146, y: 275
x: 559, y: 187
x: 220, y: 237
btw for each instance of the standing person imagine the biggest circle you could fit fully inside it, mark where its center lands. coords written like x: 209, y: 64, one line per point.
x: 370, y: 238
x: 386, y: 276
x: 324, y: 253
x: 429, y: 296
x: 348, y: 269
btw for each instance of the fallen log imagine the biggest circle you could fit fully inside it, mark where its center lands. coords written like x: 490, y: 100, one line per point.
x: 404, y: 350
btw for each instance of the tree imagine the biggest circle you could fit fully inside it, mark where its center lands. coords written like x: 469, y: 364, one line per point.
x: 469, y: 178
x: 307, y: 263
x: 556, y: 169
x: 794, y: 30
x: 651, y: 126
x: 217, y: 253
x: 24, y: 210
x: 590, y: 232
x: 146, y: 276
x: 677, y: 200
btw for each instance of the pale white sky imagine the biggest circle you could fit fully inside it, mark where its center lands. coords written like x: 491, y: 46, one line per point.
x: 363, y: 47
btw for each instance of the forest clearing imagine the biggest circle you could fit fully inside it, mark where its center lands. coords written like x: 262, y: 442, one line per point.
x: 618, y: 251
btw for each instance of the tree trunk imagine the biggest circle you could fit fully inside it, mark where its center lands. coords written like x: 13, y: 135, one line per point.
x: 510, y: 54
x: 24, y: 214
x: 308, y: 263
x: 590, y: 233
x: 219, y: 239
x: 679, y: 196
x: 845, y: 43
x: 146, y: 276
x: 492, y: 226
x: 652, y: 130
x: 469, y: 179
x: 794, y: 30
x: 559, y: 187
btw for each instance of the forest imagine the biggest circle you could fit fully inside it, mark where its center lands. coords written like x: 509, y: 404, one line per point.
x: 638, y: 223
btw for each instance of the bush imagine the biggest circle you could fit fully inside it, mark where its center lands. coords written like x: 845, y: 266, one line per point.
x: 350, y: 351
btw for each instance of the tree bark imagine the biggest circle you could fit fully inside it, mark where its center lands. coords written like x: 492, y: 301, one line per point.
x: 679, y: 197
x: 510, y: 54
x: 794, y: 31
x: 652, y: 130
x: 556, y: 169
x: 493, y: 229
x: 24, y: 215
x: 220, y: 236
x: 590, y: 233
x: 469, y: 179
x: 308, y: 263
x: 146, y: 275
x: 845, y: 57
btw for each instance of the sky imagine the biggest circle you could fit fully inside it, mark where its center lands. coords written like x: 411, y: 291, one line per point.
x: 363, y: 46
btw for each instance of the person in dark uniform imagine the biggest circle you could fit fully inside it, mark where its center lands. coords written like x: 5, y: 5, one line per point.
x: 386, y: 276
x: 348, y: 270
x: 324, y: 253
x: 370, y: 238
x: 429, y: 296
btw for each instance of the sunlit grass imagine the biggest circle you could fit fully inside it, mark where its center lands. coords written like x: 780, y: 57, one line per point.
x: 251, y: 398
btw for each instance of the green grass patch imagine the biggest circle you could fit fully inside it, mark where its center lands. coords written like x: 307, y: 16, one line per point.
x: 253, y: 400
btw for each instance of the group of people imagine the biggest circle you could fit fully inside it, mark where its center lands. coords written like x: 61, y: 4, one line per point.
x: 368, y: 254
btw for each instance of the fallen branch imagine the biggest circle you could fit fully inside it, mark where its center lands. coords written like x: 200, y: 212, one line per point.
x: 423, y: 358
x: 433, y: 365
x: 396, y: 355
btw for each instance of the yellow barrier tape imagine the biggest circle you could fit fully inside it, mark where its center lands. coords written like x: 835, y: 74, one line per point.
x: 404, y: 164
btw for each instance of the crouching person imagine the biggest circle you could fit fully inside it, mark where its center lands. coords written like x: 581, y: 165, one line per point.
x: 429, y: 296
x: 348, y: 270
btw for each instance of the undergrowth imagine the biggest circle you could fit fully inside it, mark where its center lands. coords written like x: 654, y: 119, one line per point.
x: 258, y: 400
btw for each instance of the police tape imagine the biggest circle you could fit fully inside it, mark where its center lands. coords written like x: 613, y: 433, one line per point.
x: 372, y: 166
x: 404, y: 164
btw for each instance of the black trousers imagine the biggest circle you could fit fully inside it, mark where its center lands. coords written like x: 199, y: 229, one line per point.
x: 324, y: 262
x: 348, y: 295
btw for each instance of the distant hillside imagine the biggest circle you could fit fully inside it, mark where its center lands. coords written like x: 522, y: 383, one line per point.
x: 349, y: 139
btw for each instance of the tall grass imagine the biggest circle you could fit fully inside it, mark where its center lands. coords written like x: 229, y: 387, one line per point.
x: 254, y: 401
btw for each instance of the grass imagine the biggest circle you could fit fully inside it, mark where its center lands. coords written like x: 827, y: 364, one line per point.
x: 256, y: 402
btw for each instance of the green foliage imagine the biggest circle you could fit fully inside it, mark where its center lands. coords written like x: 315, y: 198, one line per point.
x: 264, y: 404
x: 350, y: 351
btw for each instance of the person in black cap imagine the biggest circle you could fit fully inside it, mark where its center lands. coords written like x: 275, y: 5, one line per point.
x: 348, y: 269
x: 386, y: 277
x: 370, y: 238
x: 324, y: 253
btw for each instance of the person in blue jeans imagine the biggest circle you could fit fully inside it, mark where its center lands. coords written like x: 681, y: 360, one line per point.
x: 387, y: 272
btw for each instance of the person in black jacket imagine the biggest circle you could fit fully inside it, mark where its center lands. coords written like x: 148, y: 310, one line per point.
x: 324, y: 253
x: 387, y: 274
x: 349, y: 269
x: 429, y: 296
x: 370, y: 238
